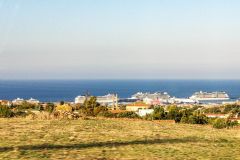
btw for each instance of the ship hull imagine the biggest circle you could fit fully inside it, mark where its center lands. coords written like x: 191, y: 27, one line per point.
x: 210, y: 99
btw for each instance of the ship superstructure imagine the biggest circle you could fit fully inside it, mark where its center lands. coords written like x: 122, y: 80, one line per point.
x: 204, y: 96
x: 154, y: 96
x: 106, y: 99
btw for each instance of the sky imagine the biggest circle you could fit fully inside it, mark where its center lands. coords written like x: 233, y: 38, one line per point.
x: 119, y: 39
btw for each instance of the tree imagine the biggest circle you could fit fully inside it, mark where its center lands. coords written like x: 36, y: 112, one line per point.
x: 99, y: 109
x: 158, y: 113
x: 172, y: 112
x: 90, y: 104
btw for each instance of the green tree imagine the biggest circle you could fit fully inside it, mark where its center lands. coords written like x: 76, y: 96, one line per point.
x: 172, y: 112
x: 159, y: 113
x: 90, y: 104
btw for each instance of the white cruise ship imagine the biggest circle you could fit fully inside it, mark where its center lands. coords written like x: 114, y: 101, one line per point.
x: 106, y: 100
x: 209, y: 96
x: 154, y: 96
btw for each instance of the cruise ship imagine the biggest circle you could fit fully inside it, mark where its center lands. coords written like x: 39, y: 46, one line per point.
x: 106, y: 99
x: 156, y: 95
x: 209, y: 96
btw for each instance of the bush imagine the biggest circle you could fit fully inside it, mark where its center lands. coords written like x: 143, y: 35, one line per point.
x: 25, y: 105
x: 39, y: 107
x: 212, y: 110
x: 159, y: 114
x: 5, y: 112
x: 231, y: 124
x: 63, y: 115
x: 219, y: 123
x: 178, y: 117
x: 172, y: 112
x: 198, y: 119
x: 127, y: 115
x: 99, y: 109
x: 20, y: 114
x: 122, y: 107
x: 49, y: 107
x: 107, y: 114
x: 184, y: 119
x: 64, y: 108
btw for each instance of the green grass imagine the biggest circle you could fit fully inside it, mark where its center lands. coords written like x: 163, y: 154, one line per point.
x: 114, y: 139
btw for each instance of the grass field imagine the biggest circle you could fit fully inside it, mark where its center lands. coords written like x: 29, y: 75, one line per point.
x: 114, y: 139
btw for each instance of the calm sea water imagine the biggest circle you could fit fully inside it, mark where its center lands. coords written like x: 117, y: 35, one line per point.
x: 67, y: 90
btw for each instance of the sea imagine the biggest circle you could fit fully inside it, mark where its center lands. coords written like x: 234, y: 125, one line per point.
x: 67, y: 90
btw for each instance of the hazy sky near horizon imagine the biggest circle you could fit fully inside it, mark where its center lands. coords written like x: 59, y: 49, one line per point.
x: 75, y: 39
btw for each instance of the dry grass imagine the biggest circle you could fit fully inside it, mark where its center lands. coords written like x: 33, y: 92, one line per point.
x: 114, y: 139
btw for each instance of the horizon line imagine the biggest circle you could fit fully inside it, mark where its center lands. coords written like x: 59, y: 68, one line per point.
x: 93, y: 79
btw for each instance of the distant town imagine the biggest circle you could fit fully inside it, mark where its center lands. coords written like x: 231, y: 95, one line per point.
x: 156, y: 98
x: 140, y: 103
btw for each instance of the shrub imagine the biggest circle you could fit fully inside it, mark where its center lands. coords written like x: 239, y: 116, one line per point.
x: 5, y: 112
x: 122, y: 107
x: 107, y: 114
x: 219, y: 123
x: 212, y: 110
x: 127, y: 115
x: 25, y: 105
x: 231, y: 124
x: 49, y: 107
x: 178, y: 117
x: 20, y: 114
x: 148, y: 117
x: 39, y: 107
x: 184, y: 119
x: 99, y: 109
x: 192, y: 119
x: 64, y: 115
x: 64, y: 108
x: 172, y: 112
x: 198, y: 119
x: 158, y: 114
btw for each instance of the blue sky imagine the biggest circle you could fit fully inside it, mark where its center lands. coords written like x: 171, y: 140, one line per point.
x: 140, y: 39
